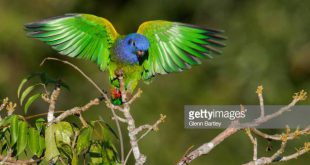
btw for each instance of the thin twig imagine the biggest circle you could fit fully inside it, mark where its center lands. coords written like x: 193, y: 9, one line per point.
x: 254, y: 142
x: 120, y: 119
x: 297, y: 154
x: 291, y: 136
x: 259, y: 92
x: 76, y: 110
x: 279, y: 151
x: 41, y: 114
x: 84, y: 123
x: 153, y: 127
x: 137, y: 95
x: 76, y: 134
x: 79, y: 70
x: 267, y: 160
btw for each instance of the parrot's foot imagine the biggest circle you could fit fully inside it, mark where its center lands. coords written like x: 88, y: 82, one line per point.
x: 119, y: 72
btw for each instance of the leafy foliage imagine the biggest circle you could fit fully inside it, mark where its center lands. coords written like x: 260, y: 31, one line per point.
x: 44, y: 81
x: 59, y: 142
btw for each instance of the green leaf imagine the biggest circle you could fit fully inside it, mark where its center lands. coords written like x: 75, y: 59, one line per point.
x: 63, y: 133
x: 7, y: 120
x: 65, y: 151
x: 25, y: 93
x: 39, y: 124
x: 97, y: 133
x: 102, y: 131
x: 30, y: 101
x: 14, y: 129
x: 50, y: 143
x: 95, y: 153
x: 33, y: 141
x: 75, y: 160
x: 42, y: 146
x: 108, y: 126
x: 106, y: 133
x: 21, y: 86
x: 22, y: 137
x: 6, y: 140
x: 110, y: 152
x: 84, y: 138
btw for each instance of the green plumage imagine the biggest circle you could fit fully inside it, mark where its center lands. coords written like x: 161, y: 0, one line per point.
x: 173, y: 47
x: 82, y: 36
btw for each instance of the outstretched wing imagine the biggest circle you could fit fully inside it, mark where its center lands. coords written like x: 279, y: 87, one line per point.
x: 176, y: 46
x: 77, y: 35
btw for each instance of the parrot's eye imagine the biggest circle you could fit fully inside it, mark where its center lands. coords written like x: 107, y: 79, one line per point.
x: 132, y: 42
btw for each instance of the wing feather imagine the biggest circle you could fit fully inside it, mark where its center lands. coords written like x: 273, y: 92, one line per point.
x: 177, y: 46
x: 77, y: 35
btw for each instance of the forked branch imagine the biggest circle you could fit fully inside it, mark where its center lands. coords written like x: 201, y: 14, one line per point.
x: 235, y: 126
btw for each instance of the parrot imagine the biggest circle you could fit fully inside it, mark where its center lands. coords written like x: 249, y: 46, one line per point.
x: 158, y: 47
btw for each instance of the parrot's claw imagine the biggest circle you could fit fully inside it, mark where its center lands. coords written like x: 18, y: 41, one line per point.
x: 119, y: 72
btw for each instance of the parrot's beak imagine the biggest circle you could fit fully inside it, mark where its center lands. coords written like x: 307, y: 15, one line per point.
x: 140, y: 53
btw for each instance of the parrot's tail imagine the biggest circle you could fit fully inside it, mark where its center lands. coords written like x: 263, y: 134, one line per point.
x: 116, y: 96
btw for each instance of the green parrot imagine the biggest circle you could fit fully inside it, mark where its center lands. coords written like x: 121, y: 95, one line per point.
x: 158, y: 47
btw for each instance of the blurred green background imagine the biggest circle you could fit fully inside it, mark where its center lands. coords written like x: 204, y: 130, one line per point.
x: 269, y: 44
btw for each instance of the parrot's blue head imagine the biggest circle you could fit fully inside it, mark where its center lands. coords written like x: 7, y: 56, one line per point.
x: 137, y: 45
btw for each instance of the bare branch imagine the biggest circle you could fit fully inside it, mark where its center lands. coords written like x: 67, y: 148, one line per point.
x: 45, y: 97
x: 120, y: 119
x: 267, y: 160
x: 137, y: 95
x: 76, y: 110
x: 51, y: 108
x: 84, y: 123
x: 41, y: 114
x: 207, y: 147
x: 140, y: 158
x: 277, y: 155
x: 259, y: 92
x: 235, y: 126
x: 150, y: 128
x: 142, y: 127
x: 11, y: 160
x: 299, y: 152
x: 254, y: 142
x: 291, y: 136
x: 154, y: 126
